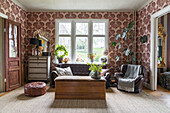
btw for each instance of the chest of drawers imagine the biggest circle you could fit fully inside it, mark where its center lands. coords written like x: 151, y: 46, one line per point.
x: 38, y: 67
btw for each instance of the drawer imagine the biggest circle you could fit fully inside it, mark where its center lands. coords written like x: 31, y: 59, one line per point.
x: 37, y: 64
x: 37, y: 60
x: 37, y: 75
x: 37, y: 70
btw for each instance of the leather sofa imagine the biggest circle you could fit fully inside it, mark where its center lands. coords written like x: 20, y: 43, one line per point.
x: 77, y: 70
x: 138, y: 82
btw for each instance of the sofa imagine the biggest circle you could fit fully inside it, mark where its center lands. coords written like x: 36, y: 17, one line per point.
x: 77, y: 70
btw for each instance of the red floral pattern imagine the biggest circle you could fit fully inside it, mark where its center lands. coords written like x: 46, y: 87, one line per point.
x: 31, y: 21
x: 16, y: 13
x: 144, y: 28
x: 117, y: 21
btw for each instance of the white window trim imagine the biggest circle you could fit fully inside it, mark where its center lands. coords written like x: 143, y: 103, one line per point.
x: 73, y: 34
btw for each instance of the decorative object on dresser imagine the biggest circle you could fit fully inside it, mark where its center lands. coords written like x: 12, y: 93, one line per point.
x: 79, y: 87
x: 39, y: 68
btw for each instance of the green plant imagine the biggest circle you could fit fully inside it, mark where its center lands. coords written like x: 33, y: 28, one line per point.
x: 95, y: 67
x: 61, y: 48
x: 143, y: 39
x: 126, y: 35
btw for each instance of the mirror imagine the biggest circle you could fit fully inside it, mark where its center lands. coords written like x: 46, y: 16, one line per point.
x: 162, y: 36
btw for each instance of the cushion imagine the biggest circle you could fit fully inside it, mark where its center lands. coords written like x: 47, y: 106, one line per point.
x: 64, y: 71
x: 104, y: 71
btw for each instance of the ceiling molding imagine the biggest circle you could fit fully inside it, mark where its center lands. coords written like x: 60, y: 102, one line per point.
x: 20, y: 5
x: 144, y: 5
x: 46, y: 10
x: 3, y: 15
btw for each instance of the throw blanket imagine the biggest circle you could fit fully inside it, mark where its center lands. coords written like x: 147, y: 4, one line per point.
x: 127, y: 83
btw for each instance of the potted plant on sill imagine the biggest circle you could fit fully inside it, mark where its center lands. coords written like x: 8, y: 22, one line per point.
x: 58, y: 49
x: 95, y: 70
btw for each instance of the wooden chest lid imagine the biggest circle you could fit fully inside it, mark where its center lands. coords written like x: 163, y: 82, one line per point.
x: 77, y: 78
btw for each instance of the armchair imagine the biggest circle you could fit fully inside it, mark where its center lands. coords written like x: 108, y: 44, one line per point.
x: 138, y: 81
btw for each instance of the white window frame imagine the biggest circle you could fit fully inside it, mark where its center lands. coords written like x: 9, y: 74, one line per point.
x: 73, y: 34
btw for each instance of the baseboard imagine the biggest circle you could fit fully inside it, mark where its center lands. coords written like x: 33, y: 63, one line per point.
x: 147, y: 85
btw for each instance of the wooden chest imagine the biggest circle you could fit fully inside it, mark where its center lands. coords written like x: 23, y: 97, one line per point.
x: 79, y: 87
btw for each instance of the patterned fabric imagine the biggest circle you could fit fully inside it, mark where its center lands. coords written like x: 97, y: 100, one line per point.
x: 64, y: 71
x: 165, y: 80
x: 127, y: 82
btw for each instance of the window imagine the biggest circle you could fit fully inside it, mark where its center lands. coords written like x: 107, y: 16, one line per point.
x: 82, y: 37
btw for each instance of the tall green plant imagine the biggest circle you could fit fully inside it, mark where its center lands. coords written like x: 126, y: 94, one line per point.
x: 126, y: 35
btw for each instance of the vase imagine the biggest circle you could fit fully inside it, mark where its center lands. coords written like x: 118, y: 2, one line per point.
x: 60, y: 60
x: 95, y: 75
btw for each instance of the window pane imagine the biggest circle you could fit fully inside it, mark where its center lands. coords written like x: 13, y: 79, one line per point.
x: 66, y: 41
x: 81, y: 49
x: 98, y: 28
x: 98, y: 47
x: 81, y: 28
x: 13, y: 49
x: 65, y: 28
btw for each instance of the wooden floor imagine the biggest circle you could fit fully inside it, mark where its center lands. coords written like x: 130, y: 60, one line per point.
x: 161, y: 94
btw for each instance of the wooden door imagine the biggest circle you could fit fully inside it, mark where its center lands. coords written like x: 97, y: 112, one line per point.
x: 12, y: 55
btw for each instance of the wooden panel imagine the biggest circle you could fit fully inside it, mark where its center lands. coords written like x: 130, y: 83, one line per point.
x: 77, y: 95
x: 80, y: 89
x: 78, y: 84
x: 13, y: 78
x: 14, y: 63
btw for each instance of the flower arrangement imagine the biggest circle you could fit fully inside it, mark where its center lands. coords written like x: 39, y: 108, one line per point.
x: 91, y: 56
x: 66, y: 60
x: 159, y: 60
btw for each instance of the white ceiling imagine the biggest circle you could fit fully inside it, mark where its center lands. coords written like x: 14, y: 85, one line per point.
x: 46, y: 5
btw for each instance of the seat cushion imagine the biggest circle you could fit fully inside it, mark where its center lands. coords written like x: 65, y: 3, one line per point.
x: 35, y: 89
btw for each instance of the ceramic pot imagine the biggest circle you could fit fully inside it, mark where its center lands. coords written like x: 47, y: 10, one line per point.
x: 60, y: 60
x: 95, y: 75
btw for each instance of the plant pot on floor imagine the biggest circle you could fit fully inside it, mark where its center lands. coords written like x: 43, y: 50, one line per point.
x: 60, y: 60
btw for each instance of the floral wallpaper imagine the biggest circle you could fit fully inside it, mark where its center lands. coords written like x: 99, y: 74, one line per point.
x: 32, y: 21
x: 117, y: 22
x: 144, y: 28
x: 17, y: 14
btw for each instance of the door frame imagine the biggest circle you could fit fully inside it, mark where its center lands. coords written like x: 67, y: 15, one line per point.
x: 153, y: 52
x: 3, y: 17
x: 6, y: 26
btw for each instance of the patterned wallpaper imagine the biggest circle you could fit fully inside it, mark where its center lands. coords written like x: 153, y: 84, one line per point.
x: 31, y: 21
x: 117, y: 22
x: 144, y: 28
x: 17, y: 14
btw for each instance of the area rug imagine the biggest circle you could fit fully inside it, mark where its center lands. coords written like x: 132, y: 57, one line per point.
x: 116, y: 102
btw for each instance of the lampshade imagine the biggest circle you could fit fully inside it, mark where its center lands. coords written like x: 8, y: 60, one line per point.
x: 40, y: 43
x: 34, y: 41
